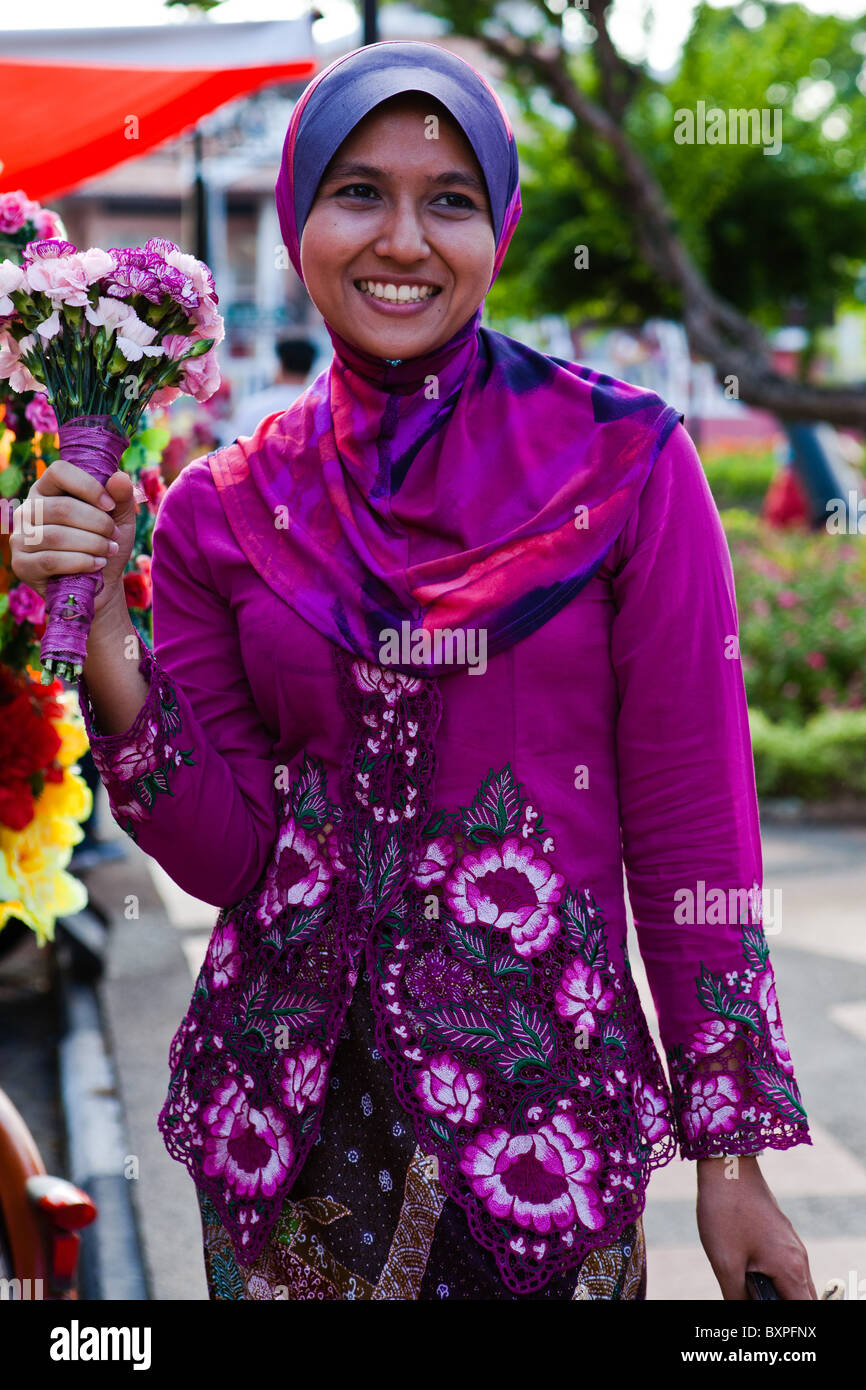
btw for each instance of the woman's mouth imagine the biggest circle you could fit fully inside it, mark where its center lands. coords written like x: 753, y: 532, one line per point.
x: 397, y: 297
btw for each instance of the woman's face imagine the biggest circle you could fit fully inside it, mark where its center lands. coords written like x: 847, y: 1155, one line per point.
x: 403, y: 214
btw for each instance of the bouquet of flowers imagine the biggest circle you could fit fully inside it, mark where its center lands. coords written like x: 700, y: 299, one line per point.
x: 22, y: 461
x: 103, y: 335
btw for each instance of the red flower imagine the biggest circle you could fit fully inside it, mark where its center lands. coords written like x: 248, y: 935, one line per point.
x: 138, y: 590
x: 17, y: 807
x: 154, y: 488
x: 29, y: 744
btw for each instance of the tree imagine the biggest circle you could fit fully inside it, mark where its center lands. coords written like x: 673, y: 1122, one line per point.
x: 673, y: 225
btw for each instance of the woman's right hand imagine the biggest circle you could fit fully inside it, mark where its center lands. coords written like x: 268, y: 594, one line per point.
x: 61, y: 528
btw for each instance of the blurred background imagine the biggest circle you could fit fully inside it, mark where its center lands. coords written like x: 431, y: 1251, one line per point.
x: 694, y: 195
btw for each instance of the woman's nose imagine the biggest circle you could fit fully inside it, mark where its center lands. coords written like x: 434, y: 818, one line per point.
x: 402, y: 238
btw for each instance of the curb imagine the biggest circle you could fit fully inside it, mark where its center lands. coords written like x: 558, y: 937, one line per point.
x: 111, y: 1265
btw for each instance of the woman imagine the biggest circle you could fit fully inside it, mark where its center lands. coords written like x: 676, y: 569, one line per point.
x: 436, y: 651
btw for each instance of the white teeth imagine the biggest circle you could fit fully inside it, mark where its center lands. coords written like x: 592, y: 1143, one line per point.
x: 396, y: 294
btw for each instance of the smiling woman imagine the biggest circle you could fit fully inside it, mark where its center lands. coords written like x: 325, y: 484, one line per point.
x: 415, y: 1064
x: 398, y: 249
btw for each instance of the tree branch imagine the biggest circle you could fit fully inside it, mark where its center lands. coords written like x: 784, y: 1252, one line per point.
x: 716, y: 330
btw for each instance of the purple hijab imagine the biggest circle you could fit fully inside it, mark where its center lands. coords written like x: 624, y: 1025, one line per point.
x: 488, y: 507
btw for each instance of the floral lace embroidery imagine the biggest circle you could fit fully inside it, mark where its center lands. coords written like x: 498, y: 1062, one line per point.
x: 251, y: 1060
x: 139, y: 764
x: 733, y: 1084
x: 517, y: 1048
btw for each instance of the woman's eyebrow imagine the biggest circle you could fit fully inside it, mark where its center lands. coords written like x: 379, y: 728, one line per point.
x: 350, y: 169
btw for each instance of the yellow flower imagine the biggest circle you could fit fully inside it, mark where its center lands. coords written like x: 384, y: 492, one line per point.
x: 33, y: 883
x: 71, y: 730
x: 60, y: 807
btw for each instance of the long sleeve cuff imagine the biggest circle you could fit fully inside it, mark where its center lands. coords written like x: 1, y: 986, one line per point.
x: 733, y: 1085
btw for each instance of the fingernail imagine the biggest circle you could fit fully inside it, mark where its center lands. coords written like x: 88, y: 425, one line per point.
x: 113, y: 547
x: 106, y: 501
x: 100, y: 560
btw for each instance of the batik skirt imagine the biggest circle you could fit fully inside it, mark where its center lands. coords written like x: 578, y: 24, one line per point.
x: 368, y: 1218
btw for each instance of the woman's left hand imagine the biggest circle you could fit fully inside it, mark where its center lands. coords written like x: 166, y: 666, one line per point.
x: 743, y: 1229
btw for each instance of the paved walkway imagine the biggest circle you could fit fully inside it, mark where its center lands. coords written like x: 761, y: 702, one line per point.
x: 819, y: 956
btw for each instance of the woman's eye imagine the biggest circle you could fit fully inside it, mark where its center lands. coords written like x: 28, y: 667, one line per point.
x: 463, y: 202
x: 354, y: 187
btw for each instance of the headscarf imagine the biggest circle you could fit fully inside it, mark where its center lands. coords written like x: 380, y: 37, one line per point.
x: 372, y: 508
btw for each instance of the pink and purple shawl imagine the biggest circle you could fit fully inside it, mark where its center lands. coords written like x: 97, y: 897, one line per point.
x: 489, y: 507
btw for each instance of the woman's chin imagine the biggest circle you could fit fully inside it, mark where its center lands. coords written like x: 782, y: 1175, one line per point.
x: 393, y: 344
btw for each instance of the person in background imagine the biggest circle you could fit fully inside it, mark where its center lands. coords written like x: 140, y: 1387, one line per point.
x: 296, y: 357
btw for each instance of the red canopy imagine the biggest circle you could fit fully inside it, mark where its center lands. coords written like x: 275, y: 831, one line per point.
x: 74, y: 103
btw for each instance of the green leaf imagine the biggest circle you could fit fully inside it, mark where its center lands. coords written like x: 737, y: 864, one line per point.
x: 742, y: 1011
x: 530, y: 1028
x: 441, y: 1131
x: 496, y: 807
x: 469, y: 945
x: 503, y: 966
x: 779, y: 1091
x: 467, y: 1027
x: 391, y: 869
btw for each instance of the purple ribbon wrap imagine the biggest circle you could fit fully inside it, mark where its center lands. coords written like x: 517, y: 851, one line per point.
x: 94, y: 445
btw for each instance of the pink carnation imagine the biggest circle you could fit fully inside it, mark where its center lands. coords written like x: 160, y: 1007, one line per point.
x: 41, y: 415
x: 19, y: 376
x: 48, y: 224
x: 164, y: 396
x: 68, y: 278
x: 108, y: 313
x: 25, y: 605
x: 197, y: 271
x: 16, y: 209
x: 201, y: 375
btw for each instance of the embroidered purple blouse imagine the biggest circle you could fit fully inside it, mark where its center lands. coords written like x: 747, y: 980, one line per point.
x: 616, y: 732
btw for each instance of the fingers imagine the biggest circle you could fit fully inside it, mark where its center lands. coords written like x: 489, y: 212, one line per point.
x: 41, y: 520
x: 64, y: 477
x: 794, y: 1285
x: 59, y: 538
x: 55, y: 532
x: 789, y: 1272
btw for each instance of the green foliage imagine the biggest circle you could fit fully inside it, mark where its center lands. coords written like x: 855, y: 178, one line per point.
x: 818, y: 760
x: 740, y: 480
x: 772, y: 233
x: 801, y: 598
x: 770, y: 229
